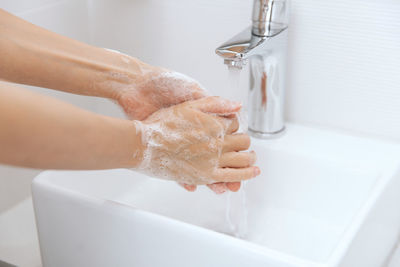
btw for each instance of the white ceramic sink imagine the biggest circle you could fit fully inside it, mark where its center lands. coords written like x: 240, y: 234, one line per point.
x: 323, y: 199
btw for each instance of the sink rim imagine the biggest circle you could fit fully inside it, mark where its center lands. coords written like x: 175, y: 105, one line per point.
x: 40, y: 183
x: 391, y: 170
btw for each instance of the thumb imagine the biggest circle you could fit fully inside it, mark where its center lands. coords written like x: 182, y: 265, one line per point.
x: 217, y: 105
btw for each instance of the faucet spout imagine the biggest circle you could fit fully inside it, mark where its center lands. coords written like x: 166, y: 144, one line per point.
x: 237, y: 50
x: 264, y: 45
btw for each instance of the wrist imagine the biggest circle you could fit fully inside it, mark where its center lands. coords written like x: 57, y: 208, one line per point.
x: 138, y: 149
x: 128, y: 145
x: 122, y: 75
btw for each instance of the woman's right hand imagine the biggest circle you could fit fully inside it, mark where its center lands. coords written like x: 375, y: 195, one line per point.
x: 194, y: 143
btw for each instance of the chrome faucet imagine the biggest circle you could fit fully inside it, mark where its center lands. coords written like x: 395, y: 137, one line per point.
x: 264, y: 44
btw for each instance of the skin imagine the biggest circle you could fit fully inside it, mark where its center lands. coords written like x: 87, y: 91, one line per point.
x: 71, y: 138
x: 65, y: 138
x: 206, y: 151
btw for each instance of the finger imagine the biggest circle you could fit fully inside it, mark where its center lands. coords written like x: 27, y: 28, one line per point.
x: 230, y: 116
x: 236, y: 142
x: 218, y: 188
x: 194, y: 94
x: 234, y: 186
x: 189, y: 187
x: 231, y: 125
x: 199, y: 93
x: 235, y: 175
x: 217, y: 105
x: 237, y: 159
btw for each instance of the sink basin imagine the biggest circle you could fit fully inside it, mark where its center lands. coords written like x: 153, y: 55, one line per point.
x: 323, y: 199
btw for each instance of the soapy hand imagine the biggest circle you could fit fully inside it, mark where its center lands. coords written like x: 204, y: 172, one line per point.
x: 159, y: 88
x: 193, y: 143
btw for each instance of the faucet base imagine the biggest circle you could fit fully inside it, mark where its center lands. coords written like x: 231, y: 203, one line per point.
x: 262, y: 135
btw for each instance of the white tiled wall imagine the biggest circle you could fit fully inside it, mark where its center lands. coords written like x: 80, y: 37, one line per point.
x: 345, y: 61
x: 344, y: 55
x: 20, y: 6
x: 395, y: 259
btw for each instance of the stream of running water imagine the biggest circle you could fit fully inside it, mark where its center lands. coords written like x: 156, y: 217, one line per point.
x: 236, y: 210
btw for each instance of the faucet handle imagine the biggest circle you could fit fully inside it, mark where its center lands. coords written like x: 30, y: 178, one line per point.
x: 270, y: 17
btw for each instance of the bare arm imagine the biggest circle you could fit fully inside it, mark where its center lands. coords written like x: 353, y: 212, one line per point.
x: 35, y: 56
x: 41, y: 132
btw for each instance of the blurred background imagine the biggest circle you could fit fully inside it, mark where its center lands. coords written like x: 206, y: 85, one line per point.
x: 344, y: 63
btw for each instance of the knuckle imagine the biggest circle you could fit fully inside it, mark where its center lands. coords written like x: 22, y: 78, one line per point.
x: 213, y: 98
x: 235, y: 125
x: 249, y: 161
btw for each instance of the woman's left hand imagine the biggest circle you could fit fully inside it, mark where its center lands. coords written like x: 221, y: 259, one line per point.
x: 156, y: 89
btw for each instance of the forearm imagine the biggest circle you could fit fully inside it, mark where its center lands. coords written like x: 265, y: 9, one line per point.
x: 32, y: 55
x: 41, y: 132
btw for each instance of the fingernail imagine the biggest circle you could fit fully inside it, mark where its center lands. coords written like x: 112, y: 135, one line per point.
x: 220, y: 192
x: 218, y: 188
x: 231, y: 103
x: 257, y: 171
x: 236, y: 104
x: 191, y: 188
x: 234, y: 187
